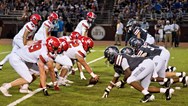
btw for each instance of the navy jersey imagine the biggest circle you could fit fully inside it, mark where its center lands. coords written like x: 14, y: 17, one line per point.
x: 143, y: 33
x: 150, y: 45
x: 151, y: 52
x: 133, y: 62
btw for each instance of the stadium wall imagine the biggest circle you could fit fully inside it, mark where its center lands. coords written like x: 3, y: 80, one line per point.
x: 102, y: 32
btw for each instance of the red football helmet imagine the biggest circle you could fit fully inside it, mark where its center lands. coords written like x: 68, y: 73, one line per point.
x: 53, y: 16
x: 52, y: 44
x: 75, y: 35
x: 87, y: 43
x: 63, y: 46
x: 90, y: 17
x: 35, y: 18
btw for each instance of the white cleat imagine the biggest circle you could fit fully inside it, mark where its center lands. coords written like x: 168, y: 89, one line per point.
x: 69, y: 81
x: 4, y: 91
x: 24, y: 90
x: 63, y: 83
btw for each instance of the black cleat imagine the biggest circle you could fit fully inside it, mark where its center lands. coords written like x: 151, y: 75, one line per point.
x: 45, y: 92
x: 1, y: 66
x: 148, y: 97
x: 184, y: 81
x: 168, y: 93
x: 167, y: 83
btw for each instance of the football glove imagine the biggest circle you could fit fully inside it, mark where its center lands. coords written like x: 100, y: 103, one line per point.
x: 106, y: 92
x: 120, y: 84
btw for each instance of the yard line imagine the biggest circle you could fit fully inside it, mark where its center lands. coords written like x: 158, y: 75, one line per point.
x: 40, y: 89
x: 5, y: 52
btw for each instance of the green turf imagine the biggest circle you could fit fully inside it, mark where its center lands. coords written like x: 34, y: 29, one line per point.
x: 79, y: 95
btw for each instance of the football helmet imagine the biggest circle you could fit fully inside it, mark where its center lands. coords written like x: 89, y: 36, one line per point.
x: 75, y: 35
x: 35, y: 18
x: 110, y: 49
x: 90, y: 17
x: 63, y: 46
x: 52, y: 44
x: 53, y: 16
x: 137, y: 43
x: 87, y: 43
x: 127, y: 50
x: 131, y: 40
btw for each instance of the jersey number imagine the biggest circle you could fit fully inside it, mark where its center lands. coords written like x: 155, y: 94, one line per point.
x: 35, y: 47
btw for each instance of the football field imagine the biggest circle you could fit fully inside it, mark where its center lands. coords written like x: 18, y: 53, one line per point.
x: 78, y: 94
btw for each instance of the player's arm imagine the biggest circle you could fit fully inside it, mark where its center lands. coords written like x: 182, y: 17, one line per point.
x: 86, y: 66
x: 26, y: 33
x: 111, y: 85
x: 48, y: 34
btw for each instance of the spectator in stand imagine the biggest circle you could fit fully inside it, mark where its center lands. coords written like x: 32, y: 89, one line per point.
x: 175, y: 34
x: 168, y: 34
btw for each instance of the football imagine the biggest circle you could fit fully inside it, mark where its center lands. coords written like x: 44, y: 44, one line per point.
x: 92, y: 81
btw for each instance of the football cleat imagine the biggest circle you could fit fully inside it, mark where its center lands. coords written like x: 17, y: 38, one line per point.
x: 45, y: 92
x: 169, y: 93
x: 68, y: 81
x: 183, y: 74
x: 63, y: 83
x: 21, y: 90
x: 1, y: 66
x: 168, y: 83
x: 148, y: 97
x: 185, y: 81
x: 4, y: 91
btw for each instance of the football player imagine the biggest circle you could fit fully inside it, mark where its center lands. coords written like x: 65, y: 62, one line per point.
x: 40, y: 53
x: 24, y: 36
x: 137, y: 72
x: 77, y: 51
x: 82, y: 29
x: 45, y: 30
x: 139, y: 32
x: 160, y: 56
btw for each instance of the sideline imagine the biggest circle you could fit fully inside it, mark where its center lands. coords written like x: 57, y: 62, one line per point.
x: 40, y: 89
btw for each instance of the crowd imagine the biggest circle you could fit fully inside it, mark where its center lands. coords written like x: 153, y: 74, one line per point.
x: 173, y: 9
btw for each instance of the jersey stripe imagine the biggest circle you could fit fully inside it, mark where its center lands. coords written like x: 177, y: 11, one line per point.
x: 47, y: 25
x: 119, y: 60
x: 81, y: 54
x: 137, y: 31
x: 42, y: 59
x: 29, y: 29
x: 85, y: 26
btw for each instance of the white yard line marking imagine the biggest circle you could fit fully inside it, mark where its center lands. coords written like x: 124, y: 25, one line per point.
x: 5, y: 52
x: 40, y: 89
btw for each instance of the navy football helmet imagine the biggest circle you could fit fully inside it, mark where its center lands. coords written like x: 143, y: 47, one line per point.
x: 127, y: 50
x: 110, y: 53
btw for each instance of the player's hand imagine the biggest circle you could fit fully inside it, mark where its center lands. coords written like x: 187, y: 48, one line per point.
x: 96, y: 77
x: 82, y: 77
x: 120, y: 84
x: 106, y: 93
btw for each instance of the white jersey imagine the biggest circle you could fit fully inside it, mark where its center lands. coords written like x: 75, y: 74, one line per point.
x: 41, y: 33
x: 18, y: 39
x: 82, y: 27
x: 32, y: 53
x: 67, y: 38
x: 75, y: 48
